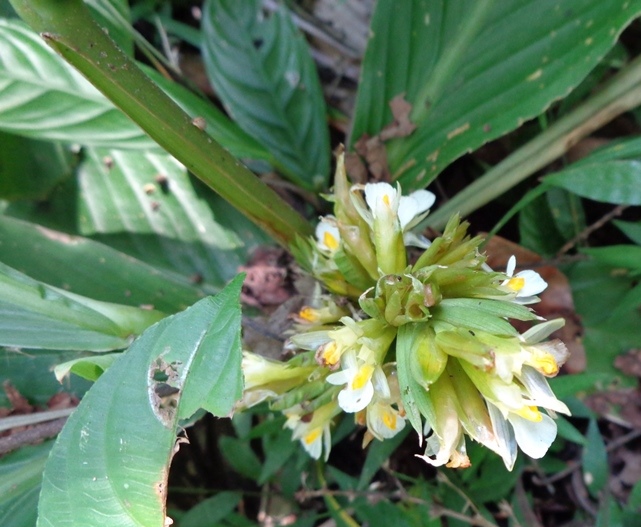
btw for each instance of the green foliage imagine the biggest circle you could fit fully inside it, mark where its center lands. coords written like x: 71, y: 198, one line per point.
x: 122, y: 437
x: 263, y: 73
x: 104, y: 232
x: 473, y: 71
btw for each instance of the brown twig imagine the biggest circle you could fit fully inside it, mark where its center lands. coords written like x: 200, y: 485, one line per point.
x: 616, y: 211
x: 34, y: 434
x: 575, y: 465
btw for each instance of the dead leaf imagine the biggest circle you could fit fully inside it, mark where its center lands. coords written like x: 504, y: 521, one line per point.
x: 372, y: 148
x: 267, y: 282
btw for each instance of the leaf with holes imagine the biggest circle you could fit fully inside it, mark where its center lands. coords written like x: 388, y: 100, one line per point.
x: 264, y: 75
x: 109, y: 465
x: 474, y: 71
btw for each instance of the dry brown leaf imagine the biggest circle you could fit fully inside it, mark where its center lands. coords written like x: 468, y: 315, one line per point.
x: 372, y: 149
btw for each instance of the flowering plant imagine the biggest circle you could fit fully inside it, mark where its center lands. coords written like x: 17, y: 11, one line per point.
x: 425, y: 340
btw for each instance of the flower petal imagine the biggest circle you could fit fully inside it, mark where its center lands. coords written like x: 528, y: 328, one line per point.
x: 533, y: 438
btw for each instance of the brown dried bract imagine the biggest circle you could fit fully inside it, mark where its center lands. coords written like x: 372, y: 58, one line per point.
x: 372, y: 149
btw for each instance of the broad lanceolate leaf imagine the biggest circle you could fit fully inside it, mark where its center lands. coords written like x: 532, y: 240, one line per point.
x: 616, y: 181
x: 29, y: 169
x: 113, y: 15
x: 474, y: 70
x: 89, y: 268
x: 43, y: 97
x: 109, y: 465
x: 263, y: 72
x: 218, y: 125
x: 145, y: 204
x: 35, y: 315
x: 30, y: 372
x: 20, y: 475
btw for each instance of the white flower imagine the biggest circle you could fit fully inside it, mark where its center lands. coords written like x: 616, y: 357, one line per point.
x: 413, y: 208
x: 357, y: 376
x: 383, y: 420
x: 328, y: 236
x: 526, y: 284
x: 382, y: 199
x: 315, y: 434
x: 533, y: 434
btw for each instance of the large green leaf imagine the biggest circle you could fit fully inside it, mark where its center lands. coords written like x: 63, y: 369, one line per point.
x: 109, y: 465
x: 614, y: 181
x: 165, y: 224
x: 218, y: 125
x: 31, y: 373
x: 89, y: 268
x: 113, y: 15
x: 43, y: 97
x: 475, y: 69
x: 20, y: 475
x: 35, y: 315
x: 29, y: 169
x: 262, y: 71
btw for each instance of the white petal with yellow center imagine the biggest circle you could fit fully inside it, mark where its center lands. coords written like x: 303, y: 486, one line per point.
x: 357, y: 376
x: 328, y: 236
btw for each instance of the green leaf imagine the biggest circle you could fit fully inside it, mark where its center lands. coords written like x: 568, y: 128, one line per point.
x: 416, y: 400
x: 474, y: 71
x: 35, y: 315
x: 43, y: 97
x: 91, y: 269
x: 631, y: 229
x: 619, y: 256
x: 166, y: 224
x: 262, y: 71
x: 211, y: 511
x: 537, y: 229
x: 20, y: 476
x: 378, y: 453
x: 484, y: 318
x: 113, y: 15
x: 219, y: 126
x: 568, y: 431
x: 89, y: 368
x: 617, y: 182
x: 240, y: 456
x: 30, y: 169
x: 30, y: 372
x: 109, y: 465
x: 595, y: 460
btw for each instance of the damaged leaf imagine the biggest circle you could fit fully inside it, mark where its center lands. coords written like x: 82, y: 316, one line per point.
x: 109, y: 465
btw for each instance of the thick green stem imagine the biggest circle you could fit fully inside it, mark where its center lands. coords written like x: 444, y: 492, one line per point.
x: 620, y: 94
x: 67, y: 26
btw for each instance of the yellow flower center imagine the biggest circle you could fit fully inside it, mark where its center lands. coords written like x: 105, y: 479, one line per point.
x: 309, y: 314
x: 516, y: 284
x: 312, y: 436
x: 386, y: 199
x: 362, y: 376
x: 330, y: 241
x: 389, y: 419
x: 331, y: 353
x: 546, y: 364
x: 531, y: 413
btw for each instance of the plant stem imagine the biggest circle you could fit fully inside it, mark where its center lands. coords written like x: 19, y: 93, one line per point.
x: 620, y: 94
x: 67, y: 26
